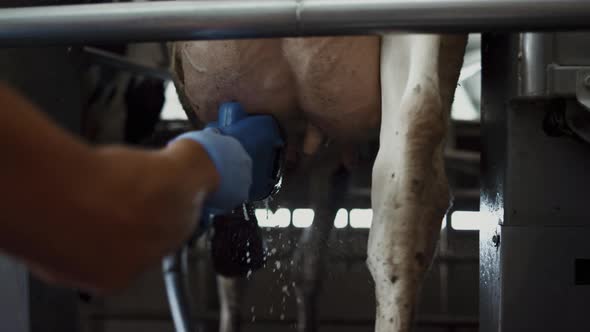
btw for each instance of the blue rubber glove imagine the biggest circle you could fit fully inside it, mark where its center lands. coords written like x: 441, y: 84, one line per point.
x: 261, y: 137
x: 233, y: 164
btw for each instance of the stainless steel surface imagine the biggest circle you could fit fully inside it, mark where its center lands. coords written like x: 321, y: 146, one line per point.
x: 145, y: 21
x: 546, y: 177
x: 582, y: 81
x: 577, y: 119
x: 534, y: 190
x: 561, y: 80
x: 14, y: 303
x: 499, y: 60
x: 224, y: 19
x: 175, y: 271
x: 554, y: 65
x: 539, y: 282
x: 571, y: 49
x: 535, y: 55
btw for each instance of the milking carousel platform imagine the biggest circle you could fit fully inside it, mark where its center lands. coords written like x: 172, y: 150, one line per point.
x: 514, y: 253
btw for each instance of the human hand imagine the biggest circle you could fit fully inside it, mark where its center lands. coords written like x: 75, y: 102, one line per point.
x: 260, y: 136
x: 232, y: 162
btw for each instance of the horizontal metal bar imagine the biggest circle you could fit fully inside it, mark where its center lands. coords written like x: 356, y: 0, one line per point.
x: 231, y: 19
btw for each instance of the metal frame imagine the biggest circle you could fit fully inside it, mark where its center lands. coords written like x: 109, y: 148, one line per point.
x: 231, y: 19
x: 533, y: 187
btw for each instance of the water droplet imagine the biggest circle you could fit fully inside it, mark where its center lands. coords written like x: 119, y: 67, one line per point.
x: 285, y: 290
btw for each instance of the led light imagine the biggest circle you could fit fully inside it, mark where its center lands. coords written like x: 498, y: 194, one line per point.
x: 303, y: 218
x: 341, y: 220
x: 281, y: 218
x: 466, y: 220
x: 361, y: 218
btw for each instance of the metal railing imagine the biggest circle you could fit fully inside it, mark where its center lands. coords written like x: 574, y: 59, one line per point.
x: 230, y: 19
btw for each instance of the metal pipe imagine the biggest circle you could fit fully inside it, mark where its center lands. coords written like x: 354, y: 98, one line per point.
x: 232, y: 19
x: 114, y: 60
x: 174, y: 267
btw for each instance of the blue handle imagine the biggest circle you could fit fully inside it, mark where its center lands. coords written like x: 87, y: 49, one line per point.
x: 230, y: 113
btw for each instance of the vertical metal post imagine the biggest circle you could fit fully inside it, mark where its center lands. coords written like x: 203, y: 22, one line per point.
x: 498, y: 56
x: 14, y: 304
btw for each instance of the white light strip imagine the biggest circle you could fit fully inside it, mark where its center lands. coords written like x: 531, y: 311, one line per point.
x: 361, y: 218
x: 281, y: 218
x: 466, y: 220
x: 303, y: 218
x: 341, y: 220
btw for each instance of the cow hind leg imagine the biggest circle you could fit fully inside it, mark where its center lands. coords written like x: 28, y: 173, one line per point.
x: 410, y: 193
x: 326, y: 195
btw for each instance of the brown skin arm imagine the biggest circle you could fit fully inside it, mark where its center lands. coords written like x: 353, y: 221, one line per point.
x: 92, y: 217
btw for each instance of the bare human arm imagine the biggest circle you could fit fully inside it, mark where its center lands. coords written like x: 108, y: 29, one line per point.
x: 92, y: 217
